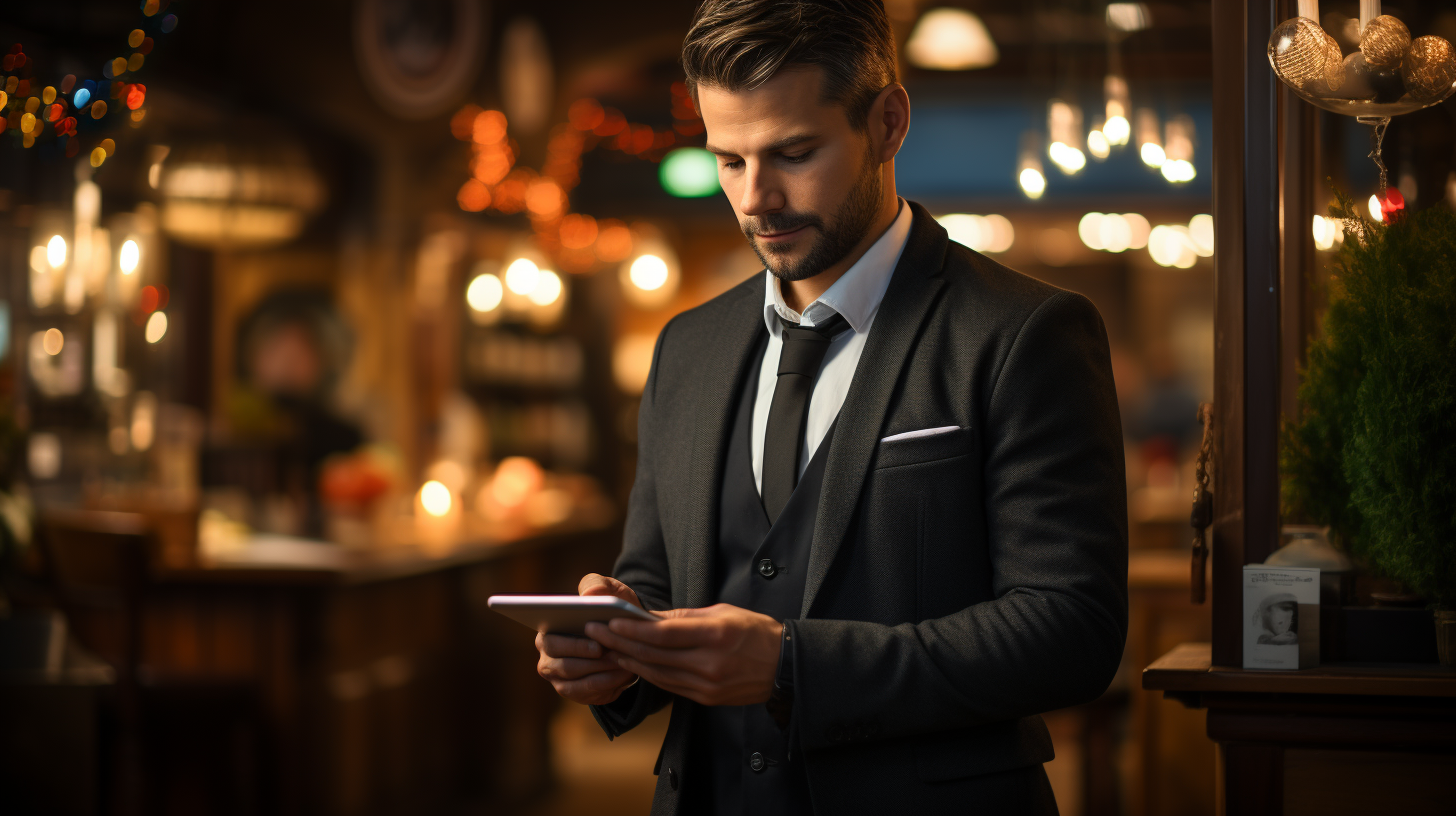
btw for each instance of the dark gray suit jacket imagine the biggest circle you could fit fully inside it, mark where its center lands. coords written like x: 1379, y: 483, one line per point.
x: 958, y: 584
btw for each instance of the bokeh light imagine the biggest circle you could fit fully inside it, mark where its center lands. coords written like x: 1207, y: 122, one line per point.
x: 547, y: 289
x: 56, y: 252
x: 649, y: 273
x: 484, y: 293
x: 1200, y: 229
x: 129, y: 256
x: 156, y: 327
x: 1033, y: 183
x: 689, y: 172
x: 435, y: 498
x: 522, y: 276
x: 53, y: 341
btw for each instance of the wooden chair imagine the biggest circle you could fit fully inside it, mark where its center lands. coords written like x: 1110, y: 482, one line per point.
x: 183, y: 742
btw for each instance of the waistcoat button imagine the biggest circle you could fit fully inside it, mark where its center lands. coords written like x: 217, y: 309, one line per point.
x: 756, y: 763
x: 766, y: 568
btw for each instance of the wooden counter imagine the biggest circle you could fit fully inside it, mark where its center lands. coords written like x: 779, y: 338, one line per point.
x: 383, y: 682
x: 1339, y: 739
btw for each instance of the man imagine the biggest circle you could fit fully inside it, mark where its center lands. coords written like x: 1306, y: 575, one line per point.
x: 879, y: 501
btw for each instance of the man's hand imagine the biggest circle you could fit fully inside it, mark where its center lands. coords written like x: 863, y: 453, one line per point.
x: 718, y: 655
x: 578, y: 667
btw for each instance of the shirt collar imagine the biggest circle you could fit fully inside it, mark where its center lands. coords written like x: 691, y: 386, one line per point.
x: 857, y: 294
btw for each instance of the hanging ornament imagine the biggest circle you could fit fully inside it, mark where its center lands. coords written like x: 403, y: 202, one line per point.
x: 1305, y: 57
x: 1363, y: 82
x: 1389, y: 75
x: 1384, y: 42
x: 1429, y: 69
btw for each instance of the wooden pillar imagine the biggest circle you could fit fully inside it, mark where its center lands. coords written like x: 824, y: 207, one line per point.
x: 1246, y: 310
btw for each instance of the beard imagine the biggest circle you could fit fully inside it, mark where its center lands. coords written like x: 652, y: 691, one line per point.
x: 835, y: 241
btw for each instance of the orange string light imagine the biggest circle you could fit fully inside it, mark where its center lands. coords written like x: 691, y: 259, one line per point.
x: 577, y: 241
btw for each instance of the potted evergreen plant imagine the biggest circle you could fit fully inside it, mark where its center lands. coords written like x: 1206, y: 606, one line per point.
x: 1373, y: 450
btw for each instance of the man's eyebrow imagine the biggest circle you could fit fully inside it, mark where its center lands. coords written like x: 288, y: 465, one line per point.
x: 774, y: 147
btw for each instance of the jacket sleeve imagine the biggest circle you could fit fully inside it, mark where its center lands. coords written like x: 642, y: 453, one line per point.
x: 1056, y: 517
x: 642, y: 564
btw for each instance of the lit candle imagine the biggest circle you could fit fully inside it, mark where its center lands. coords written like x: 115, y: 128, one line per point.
x: 1369, y: 10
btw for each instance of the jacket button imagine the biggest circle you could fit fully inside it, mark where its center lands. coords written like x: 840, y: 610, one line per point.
x: 766, y: 568
x: 672, y: 779
x: 756, y: 763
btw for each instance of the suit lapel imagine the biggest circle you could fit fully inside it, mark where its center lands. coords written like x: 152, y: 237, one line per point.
x: 724, y: 366
x: 898, y: 322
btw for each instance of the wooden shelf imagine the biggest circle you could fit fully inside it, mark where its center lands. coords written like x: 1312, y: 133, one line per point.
x: 1189, y: 669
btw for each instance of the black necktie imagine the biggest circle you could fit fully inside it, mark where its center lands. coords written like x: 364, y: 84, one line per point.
x: 803, y: 352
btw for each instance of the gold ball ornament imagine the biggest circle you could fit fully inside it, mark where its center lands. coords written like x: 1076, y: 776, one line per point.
x: 1305, y: 57
x: 1384, y: 43
x: 1429, y: 69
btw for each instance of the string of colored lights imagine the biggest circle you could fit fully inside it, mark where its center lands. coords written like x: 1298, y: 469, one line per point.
x: 64, y: 112
x: 576, y: 241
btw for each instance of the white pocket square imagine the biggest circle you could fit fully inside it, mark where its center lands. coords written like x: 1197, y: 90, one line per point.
x: 920, y: 433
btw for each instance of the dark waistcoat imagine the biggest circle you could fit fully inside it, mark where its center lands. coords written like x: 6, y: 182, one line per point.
x: 761, y: 568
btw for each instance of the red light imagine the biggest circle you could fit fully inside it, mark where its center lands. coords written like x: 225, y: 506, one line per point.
x: 135, y: 96
x: 149, y: 299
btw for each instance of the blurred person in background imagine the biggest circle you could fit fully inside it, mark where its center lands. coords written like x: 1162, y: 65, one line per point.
x: 880, y: 502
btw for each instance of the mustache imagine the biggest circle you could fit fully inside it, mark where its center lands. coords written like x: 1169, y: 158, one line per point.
x: 778, y: 222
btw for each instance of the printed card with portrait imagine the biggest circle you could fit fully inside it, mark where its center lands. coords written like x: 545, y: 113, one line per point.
x: 1281, y: 617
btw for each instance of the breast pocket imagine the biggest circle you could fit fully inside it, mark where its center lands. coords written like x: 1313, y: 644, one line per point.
x: 914, y: 450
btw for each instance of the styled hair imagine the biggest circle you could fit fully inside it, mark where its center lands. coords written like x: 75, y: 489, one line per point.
x: 741, y: 44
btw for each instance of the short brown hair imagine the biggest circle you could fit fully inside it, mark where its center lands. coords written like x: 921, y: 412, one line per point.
x: 741, y: 44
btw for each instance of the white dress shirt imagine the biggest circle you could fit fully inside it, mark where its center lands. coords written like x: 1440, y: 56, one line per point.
x: 856, y: 297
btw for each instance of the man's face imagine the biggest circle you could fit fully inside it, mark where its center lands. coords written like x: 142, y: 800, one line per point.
x: 804, y: 184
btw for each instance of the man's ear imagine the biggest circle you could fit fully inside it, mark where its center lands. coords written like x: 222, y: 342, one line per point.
x: 890, y: 120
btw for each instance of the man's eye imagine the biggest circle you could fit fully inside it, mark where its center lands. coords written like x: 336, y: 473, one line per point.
x: 799, y: 158
x: 732, y: 164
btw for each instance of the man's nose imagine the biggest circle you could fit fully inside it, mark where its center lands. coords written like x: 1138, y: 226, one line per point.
x: 761, y: 193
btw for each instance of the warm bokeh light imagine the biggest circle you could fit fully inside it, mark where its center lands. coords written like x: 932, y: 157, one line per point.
x: 56, y: 251
x: 649, y: 273
x: 578, y: 231
x: 522, y: 275
x: 1098, y: 144
x: 1326, y: 232
x: 614, y: 241
x: 484, y: 293
x: 1152, y: 154
x: 53, y: 341
x: 1200, y: 229
x: 473, y: 196
x: 1033, y: 183
x: 436, y: 499
x: 1128, y: 16
x: 156, y: 327
x: 1177, y: 171
x: 1172, y: 245
x: 547, y: 289
x: 950, y: 39
x: 516, y: 478
x: 1117, y: 130
x: 983, y: 233
x: 1375, y: 211
x: 1066, y: 157
x: 129, y: 257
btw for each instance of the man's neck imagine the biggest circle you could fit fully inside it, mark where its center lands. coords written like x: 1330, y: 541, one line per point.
x: 800, y: 293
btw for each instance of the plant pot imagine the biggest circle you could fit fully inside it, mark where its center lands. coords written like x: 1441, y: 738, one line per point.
x: 1446, y: 636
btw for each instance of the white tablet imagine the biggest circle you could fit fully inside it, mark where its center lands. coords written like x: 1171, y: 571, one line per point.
x: 564, y: 614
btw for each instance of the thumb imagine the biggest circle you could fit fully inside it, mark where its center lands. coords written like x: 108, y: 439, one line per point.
x: 703, y: 612
x: 595, y: 584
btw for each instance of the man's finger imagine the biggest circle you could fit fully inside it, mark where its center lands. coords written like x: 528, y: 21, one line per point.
x: 674, y: 680
x: 689, y: 659
x: 574, y: 668
x: 594, y: 688
x: 567, y: 646
x: 669, y: 632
